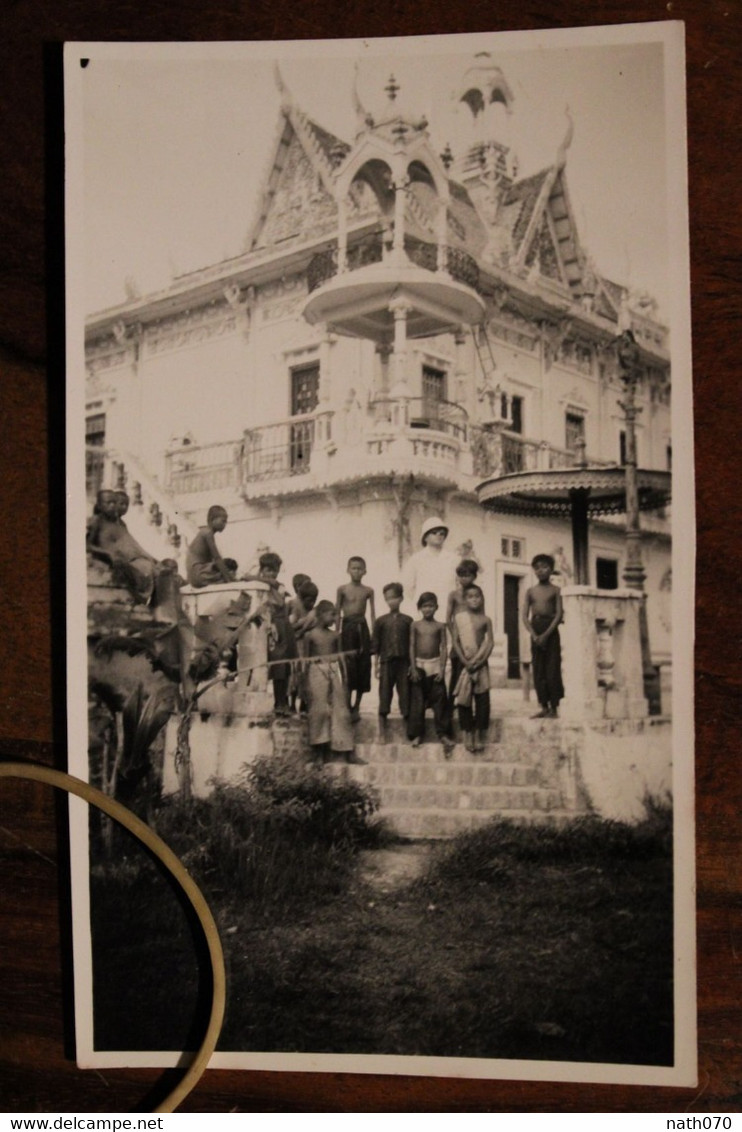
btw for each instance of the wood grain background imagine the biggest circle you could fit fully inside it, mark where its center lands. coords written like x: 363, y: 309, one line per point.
x: 36, y: 1072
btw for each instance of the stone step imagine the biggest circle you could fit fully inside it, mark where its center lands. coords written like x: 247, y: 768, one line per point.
x: 434, y: 823
x: 453, y: 773
x: 490, y: 799
x: 529, y: 752
x: 502, y: 730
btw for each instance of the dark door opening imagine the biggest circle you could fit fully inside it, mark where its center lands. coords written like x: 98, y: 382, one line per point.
x: 511, y: 614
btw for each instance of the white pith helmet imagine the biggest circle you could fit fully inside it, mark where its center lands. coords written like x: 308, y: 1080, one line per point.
x: 434, y: 524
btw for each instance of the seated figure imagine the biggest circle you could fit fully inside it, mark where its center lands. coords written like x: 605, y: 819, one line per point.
x: 108, y: 539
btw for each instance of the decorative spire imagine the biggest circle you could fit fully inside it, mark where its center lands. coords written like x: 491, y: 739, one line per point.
x: 392, y: 88
x: 283, y: 90
x: 561, y: 157
x: 364, y: 120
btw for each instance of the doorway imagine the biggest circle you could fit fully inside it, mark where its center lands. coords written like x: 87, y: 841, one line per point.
x: 511, y: 622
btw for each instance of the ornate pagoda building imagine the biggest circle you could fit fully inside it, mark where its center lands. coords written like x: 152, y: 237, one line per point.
x: 403, y: 326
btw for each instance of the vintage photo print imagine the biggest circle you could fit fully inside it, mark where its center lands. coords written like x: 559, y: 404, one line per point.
x: 378, y: 354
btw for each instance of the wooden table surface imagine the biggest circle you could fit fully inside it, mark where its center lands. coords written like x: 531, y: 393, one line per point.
x: 35, y: 1070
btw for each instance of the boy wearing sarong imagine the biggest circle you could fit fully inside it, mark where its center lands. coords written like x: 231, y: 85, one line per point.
x: 542, y: 612
x: 428, y: 652
x: 473, y: 642
x: 352, y: 599
x: 466, y: 575
x: 330, y: 726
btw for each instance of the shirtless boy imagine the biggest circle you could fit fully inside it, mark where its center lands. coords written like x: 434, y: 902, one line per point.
x: 352, y: 599
x: 204, y: 564
x: 428, y: 652
x: 473, y: 642
x: 542, y: 612
x: 466, y: 575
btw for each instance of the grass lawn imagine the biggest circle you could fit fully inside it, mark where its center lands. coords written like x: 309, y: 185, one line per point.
x: 514, y: 943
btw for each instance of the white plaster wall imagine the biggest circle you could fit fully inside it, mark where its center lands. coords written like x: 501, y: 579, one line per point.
x: 620, y: 764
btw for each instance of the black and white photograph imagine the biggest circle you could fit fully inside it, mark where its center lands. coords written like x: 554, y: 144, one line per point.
x: 377, y: 353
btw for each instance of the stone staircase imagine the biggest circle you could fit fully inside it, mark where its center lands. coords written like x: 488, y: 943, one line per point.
x: 522, y: 774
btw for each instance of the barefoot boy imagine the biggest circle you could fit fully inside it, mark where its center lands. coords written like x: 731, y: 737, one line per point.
x: 473, y: 642
x: 427, y: 668
x: 466, y: 575
x: 330, y: 727
x: 390, y: 646
x: 542, y: 612
x: 352, y: 599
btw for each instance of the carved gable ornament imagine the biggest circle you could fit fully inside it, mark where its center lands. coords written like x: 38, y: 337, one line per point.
x: 301, y: 206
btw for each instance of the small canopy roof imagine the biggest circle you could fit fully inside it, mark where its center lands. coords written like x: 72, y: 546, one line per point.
x: 579, y: 493
x: 552, y: 492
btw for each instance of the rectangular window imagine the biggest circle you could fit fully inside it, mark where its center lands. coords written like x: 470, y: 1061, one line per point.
x: 512, y: 547
x: 574, y: 432
x: 606, y: 573
x: 304, y: 400
x: 622, y: 447
x: 434, y: 385
x: 516, y: 412
x: 668, y: 457
x: 95, y: 439
x: 304, y: 389
x: 95, y: 430
x: 433, y: 404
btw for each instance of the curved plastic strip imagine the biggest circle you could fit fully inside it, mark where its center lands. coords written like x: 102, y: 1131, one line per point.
x: 156, y: 845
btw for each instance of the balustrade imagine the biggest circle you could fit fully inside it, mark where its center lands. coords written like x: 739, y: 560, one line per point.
x: 280, y: 449
x: 461, y: 266
x: 203, y: 467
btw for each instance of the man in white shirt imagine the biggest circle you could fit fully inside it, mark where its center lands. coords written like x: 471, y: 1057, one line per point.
x: 432, y: 569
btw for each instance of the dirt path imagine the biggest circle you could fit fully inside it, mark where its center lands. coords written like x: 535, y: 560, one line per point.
x: 387, y: 869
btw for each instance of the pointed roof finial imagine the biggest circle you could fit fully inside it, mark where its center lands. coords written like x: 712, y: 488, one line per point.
x: 392, y: 88
x: 363, y: 118
x: 561, y: 157
x: 283, y: 90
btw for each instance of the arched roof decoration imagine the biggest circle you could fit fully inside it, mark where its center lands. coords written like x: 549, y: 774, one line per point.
x: 377, y: 174
x: 409, y: 157
x: 484, y: 83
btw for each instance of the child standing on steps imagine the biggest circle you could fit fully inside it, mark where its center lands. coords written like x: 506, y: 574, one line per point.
x: 330, y: 727
x: 427, y: 668
x: 390, y: 645
x: 466, y: 575
x: 542, y: 612
x: 473, y: 642
x: 352, y: 599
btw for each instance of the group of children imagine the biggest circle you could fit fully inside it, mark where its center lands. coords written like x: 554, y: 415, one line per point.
x: 320, y: 652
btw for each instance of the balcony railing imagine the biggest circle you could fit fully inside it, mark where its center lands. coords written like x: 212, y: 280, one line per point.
x: 459, y: 264
x: 423, y: 413
x: 203, y: 467
x: 278, y: 450
x: 499, y: 453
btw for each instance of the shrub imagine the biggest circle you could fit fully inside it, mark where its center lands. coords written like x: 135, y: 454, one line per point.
x: 484, y: 854
x: 287, y: 834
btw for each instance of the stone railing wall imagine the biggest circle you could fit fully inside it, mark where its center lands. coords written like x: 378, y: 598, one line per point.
x: 601, y: 655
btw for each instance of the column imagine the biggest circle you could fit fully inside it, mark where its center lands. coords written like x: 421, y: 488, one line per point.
x: 342, y: 235
x: 400, y: 193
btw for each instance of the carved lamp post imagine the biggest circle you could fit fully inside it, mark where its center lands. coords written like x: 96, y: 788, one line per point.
x: 634, y: 575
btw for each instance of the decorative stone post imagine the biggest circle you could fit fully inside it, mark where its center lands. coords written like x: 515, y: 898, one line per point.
x: 601, y: 655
